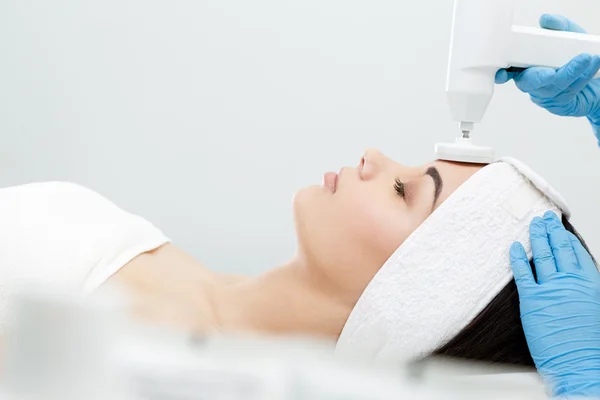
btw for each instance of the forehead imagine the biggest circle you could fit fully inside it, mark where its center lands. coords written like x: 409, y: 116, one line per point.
x: 453, y: 175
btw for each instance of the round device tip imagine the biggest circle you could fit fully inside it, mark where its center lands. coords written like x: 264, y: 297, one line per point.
x: 464, y: 151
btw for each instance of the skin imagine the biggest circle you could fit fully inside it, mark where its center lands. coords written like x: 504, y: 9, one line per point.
x: 344, y: 237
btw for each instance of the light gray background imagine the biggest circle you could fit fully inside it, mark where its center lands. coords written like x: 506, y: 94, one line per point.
x: 205, y: 116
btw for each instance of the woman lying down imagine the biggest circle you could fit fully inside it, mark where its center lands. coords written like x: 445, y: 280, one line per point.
x: 392, y: 261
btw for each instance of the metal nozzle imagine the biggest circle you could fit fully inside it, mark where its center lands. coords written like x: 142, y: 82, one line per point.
x: 466, y: 128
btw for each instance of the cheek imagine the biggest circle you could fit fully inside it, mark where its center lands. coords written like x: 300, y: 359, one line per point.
x: 349, y: 238
x: 368, y: 231
x: 379, y: 227
x: 357, y: 221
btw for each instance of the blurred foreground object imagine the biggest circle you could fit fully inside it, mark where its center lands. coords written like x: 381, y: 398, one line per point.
x: 63, y: 346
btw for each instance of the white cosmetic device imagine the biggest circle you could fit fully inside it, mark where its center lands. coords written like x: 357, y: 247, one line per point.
x: 484, y: 40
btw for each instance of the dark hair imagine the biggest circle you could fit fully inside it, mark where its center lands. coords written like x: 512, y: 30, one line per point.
x: 496, y: 334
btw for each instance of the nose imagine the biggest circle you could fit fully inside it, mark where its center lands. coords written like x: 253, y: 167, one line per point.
x: 370, y: 164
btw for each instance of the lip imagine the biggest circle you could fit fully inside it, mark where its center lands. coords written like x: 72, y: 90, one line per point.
x: 330, y: 180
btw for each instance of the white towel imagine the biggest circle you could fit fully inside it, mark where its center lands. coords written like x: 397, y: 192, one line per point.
x: 451, y: 267
x: 62, y: 234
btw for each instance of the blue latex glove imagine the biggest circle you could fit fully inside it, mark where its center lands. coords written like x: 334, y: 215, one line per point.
x: 569, y: 91
x: 560, y: 311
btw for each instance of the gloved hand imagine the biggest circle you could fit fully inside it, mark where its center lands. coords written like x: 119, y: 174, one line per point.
x: 560, y: 311
x: 570, y: 91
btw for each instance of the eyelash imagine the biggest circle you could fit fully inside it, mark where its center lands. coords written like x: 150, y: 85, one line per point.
x: 399, y: 187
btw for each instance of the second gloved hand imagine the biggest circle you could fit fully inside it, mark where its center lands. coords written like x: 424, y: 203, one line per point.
x: 570, y: 91
x: 560, y: 311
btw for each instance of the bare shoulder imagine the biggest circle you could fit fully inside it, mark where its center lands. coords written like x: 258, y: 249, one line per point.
x: 169, y: 287
x: 169, y: 263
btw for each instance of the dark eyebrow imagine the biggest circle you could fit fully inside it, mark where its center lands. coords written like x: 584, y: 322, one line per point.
x: 437, y: 181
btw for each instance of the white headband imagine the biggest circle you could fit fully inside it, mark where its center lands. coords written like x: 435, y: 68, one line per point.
x: 451, y: 267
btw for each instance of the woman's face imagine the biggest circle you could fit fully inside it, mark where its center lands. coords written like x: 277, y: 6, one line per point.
x: 350, y: 225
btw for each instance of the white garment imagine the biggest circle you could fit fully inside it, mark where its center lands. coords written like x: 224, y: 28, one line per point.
x: 450, y: 268
x: 62, y: 234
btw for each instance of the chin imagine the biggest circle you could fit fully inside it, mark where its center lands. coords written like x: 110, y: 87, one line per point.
x: 299, y: 201
x: 306, y: 202
x: 306, y: 196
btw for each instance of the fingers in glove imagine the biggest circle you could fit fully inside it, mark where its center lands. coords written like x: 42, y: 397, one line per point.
x: 585, y: 260
x: 533, y: 79
x: 545, y: 265
x: 505, y: 75
x: 559, y: 23
x: 585, y: 79
x: 502, y: 76
x: 564, y: 255
x: 575, y: 69
x: 520, y: 266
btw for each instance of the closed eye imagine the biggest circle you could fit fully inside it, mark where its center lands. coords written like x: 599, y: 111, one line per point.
x: 399, y: 187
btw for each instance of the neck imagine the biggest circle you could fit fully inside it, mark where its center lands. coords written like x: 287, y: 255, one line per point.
x: 286, y: 300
